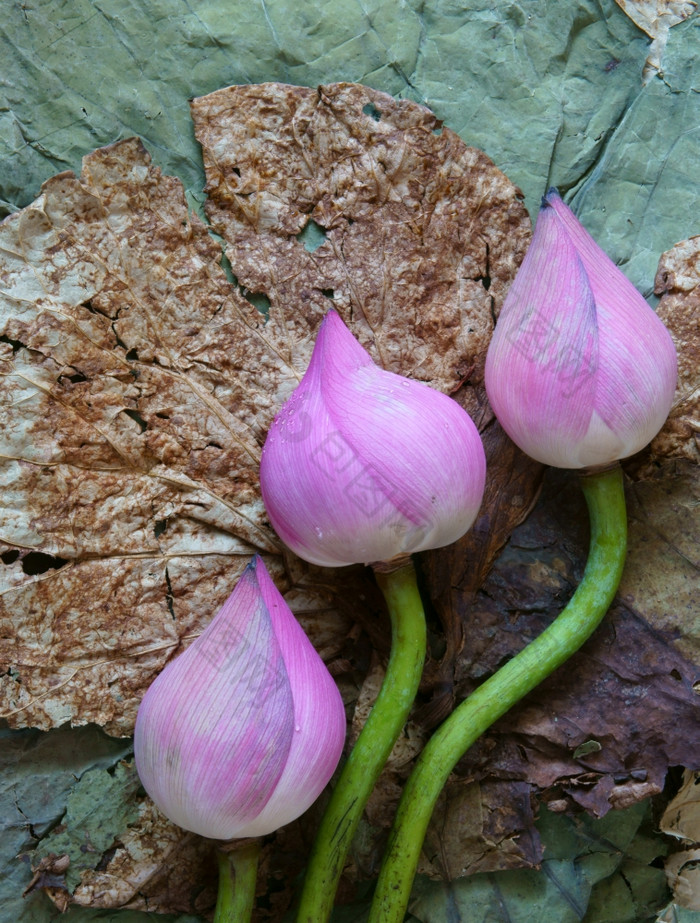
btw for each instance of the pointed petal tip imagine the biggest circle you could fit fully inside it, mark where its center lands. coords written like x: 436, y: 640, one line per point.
x: 250, y: 571
x: 551, y: 195
x: 336, y: 342
x: 332, y: 320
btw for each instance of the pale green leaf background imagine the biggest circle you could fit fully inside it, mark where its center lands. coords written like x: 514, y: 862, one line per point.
x: 551, y: 91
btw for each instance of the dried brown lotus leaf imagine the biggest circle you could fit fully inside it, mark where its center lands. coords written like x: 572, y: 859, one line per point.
x: 417, y: 234
x: 130, y: 442
x: 138, y: 383
x: 678, y: 283
x: 656, y: 18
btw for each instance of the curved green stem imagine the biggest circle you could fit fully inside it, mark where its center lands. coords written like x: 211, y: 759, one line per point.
x: 373, y: 746
x: 238, y: 870
x: 606, y: 505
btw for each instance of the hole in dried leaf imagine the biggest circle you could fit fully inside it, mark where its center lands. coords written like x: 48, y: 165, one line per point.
x: 259, y: 301
x: 675, y: 674
x: 159, y: 527
x: 132, y: 355
x: 9, y: 557
x: 120, y: 342
x: 107, y: 857
x: 137, y: 418
x: 312, y: 236
x: 225, y: 264
x: 15, y: 344
x: 74, y: 379
x: 371, y: 110
x: 169, y: 594
x: 89, y: 306
x: 328, y: 292
x: 37, y: 562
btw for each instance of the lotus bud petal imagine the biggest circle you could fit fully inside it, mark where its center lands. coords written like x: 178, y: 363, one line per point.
x: 240, y: 733
x: 580, y: 371
x: 361, y: 465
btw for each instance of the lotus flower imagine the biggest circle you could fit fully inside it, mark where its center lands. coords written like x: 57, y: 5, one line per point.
x: 361, y: 465
x: 241, y: 732
x: 580, y: 371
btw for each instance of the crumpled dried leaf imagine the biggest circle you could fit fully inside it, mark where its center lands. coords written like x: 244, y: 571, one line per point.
x: 683, y: 873
x: 678, y: 283
x: 153, y: 864
x: 681, y: 819
x: 660, y: 579
x: 454, y: 574
x: 476, y: 829
x: 139, y: 383
x: 415, y: 234
x: 123, y: 459
x: 49, y: 877
x: 656, y: 17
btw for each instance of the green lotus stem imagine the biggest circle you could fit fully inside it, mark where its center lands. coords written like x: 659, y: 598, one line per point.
x: 373, y: 746
x: 238, y: 871
x: 606, y: 505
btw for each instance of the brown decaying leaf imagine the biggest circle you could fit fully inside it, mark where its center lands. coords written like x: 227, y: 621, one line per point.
x: 656, y: 18
x: 154, y: 864
x: 421, y: 234
x: 678, y: 283
x: 122, y: 453
x: 681, y: 819
x: 49, y: 877
x: 138, y: 384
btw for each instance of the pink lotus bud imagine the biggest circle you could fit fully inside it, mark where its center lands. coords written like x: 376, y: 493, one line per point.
x: 361, y: 465
x: 580, y: 370
x: 241, y: 732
